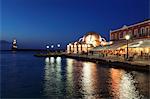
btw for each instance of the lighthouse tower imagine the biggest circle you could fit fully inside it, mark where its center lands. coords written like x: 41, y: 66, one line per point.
x: 14, y: 45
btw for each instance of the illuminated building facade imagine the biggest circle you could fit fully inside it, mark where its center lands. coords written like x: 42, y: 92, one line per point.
x: 138, y: 42
x: 86, y: 43
x: 138, y: 47
x: 136, y: 31
x: 14, y: 44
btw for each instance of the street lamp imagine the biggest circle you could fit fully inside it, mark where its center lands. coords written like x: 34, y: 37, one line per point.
x: 58, y: 45
x: 52, y: 46
x: 127, y: 37
x: 47, y: 47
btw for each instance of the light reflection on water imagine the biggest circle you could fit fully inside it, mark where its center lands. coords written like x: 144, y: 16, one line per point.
x: 52, y: 76
x: 26, y: 76
x: 89, y: 80
x: 115, y: 81
x: 123, y: 85
x: 76, y: 79
x: 127, y: 87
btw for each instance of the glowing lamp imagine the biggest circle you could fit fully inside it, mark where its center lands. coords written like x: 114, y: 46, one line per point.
x: 52, y: 46
x: 89, y: 45
x: 127, y: 37
x: 47, y: 46
x: 58, y: 45
x: 141, y: 42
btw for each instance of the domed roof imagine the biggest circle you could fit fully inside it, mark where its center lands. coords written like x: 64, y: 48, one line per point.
x: 92, y: 33
x: 92, y: 38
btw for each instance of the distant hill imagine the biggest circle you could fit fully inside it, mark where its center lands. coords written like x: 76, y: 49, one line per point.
x: 5, y: 45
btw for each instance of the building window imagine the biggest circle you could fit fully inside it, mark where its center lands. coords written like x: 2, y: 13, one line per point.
x: 130, y: 32
x: 142, y: 32
x: 147, y: 31
x: 120, y: 35
x: 135, y: 32
x: 112, y: 36
x: 124, y: 33
x: 116, y: 36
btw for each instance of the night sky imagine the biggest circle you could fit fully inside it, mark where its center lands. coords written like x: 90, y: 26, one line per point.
x: 35, y: 23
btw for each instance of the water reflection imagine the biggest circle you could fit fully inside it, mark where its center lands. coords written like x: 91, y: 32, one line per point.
x: 47, y: 60
x: 70, y: 76
x: 115, y: 75
x: 89, y: 79
x: 58, y: 60
x: 52, y: 76
x: 69, y: 79
x: 127, y: 87
x: 77, y: 79
x: 123, y: 85
x: 52, y: 60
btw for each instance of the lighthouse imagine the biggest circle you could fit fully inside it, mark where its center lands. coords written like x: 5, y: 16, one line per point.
x: 14, y: 45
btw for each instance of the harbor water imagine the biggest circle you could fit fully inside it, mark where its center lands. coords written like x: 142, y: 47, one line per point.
x: 26, y: 76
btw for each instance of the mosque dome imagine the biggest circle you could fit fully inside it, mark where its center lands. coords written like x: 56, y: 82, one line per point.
x: 92, y: 38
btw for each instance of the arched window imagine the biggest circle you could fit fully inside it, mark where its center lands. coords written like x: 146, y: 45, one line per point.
x: 142, y: 31
x: 135, y: 32
x: 112, y: 37
x: 124, y: 33
x: 147, y: 31
x: 130, y: 32
x: 115, y: 36
x: 120, y: 35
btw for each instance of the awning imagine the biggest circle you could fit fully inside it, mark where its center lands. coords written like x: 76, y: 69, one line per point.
x: 108, y: 47
x: 140, y: 44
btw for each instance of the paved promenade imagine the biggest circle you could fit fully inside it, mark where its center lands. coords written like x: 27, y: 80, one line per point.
x: 116, y: 61
x: 141, y: 62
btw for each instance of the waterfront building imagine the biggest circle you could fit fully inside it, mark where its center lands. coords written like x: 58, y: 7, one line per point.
x: 136, y: 31
x: 14, y: 45
x: 86, y: 43
x: 138, y: 44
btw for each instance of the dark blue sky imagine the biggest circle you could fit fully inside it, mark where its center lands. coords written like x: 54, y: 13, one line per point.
x: 38, y: 22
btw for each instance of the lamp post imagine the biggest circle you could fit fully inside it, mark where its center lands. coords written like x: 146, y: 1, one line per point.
x: 58, y: 45
x: 127, y: 37
x: 47, y: 47
x: 52, y: 46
